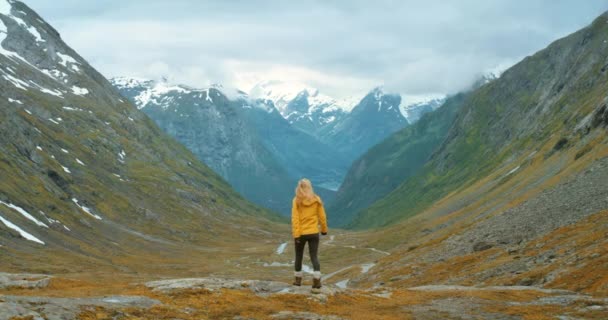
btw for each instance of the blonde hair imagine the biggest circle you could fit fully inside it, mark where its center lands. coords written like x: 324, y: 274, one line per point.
x: 304, y: 191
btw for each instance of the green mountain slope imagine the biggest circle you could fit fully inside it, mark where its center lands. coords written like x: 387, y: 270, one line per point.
x: 543, y: 98
x: 386, y: 165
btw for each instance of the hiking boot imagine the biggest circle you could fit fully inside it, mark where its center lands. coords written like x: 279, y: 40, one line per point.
x: 298, y: 281
x: 316, y: 283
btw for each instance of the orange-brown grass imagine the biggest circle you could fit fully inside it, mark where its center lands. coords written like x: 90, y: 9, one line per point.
x: 587, y: 242
x: 226, y: 304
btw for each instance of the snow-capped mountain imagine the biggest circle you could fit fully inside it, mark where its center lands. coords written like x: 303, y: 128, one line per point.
x: 245, y: 140
x: 222, y: 128
x: 216, y: 130
x: 414, y: 109
x: 315, y: 113
x: 374, y: 118
x: 305, y: 108
x: 282, y: 93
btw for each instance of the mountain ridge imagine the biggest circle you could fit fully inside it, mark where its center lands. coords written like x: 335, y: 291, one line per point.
x: 489, y: 126
x: 87, y: 178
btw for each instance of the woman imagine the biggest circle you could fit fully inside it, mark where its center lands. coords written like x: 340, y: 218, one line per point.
x: 306, y: 214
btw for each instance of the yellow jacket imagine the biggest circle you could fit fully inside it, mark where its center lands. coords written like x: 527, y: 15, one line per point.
x: 306, y: 217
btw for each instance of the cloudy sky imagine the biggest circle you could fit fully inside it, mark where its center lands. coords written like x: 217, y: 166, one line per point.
x: 341, y: 47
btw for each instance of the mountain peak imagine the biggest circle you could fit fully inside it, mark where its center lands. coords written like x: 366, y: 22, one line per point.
x: 282, y: 93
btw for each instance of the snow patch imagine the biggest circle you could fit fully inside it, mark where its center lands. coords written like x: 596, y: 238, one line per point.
x: 86, y: 209
x: 16, y: 82
x: 24, y: 234
x: 281, y: 248
x: 64, y: 150
x: 71, y: 109
x: 366, y: 267
x: 24, y: 214
x: 66, y: 169
x: 80, y: 162
x: 277, y: 264
x: 55, y: 75
x: 512, y: 171
x: 155, y: 90
x: 409, y: 103
x: 5, y: 8
x: 14, y: 101
x: 56, y: 93
x: 307, y: 269
x: 208, y: 98
x: 65, y: 59
x: 121, y: 156
x: 342, y: 284
x: 31, y: 29
x: 80, y: 91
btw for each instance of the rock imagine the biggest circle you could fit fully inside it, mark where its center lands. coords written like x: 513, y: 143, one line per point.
x: 289, y: 315
x: 481, y: 246
x: 526, y: 282
x: 24, y: 281
x: 9, y: 310
x: 66, y: 308
x: 259, y: 287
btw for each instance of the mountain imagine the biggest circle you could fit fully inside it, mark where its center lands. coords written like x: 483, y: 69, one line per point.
x: 303, y: 107
x: 322, y: 116
x: 415, y: 110
x: 87, y: 179
x: 245, y: 140
x: 301, y: 154
x: 375, y: 117
x: 260, y: 148
x: 310, y: 115
x: 216, y: 130
x: 386, y: 165
x: 529, y: 117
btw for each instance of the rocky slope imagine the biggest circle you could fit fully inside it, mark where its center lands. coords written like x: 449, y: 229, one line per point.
x: 543, y: 100
x: 87, y: 179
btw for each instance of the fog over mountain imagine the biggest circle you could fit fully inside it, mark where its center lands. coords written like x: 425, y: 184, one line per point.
x: 343, y: 48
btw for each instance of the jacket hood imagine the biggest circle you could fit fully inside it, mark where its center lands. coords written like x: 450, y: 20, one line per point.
x: 310, y: 202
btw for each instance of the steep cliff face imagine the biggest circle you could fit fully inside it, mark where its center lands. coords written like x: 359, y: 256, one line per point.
x: 87, y: 176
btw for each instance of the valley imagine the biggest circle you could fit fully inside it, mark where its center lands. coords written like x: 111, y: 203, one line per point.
x: 134, y: 198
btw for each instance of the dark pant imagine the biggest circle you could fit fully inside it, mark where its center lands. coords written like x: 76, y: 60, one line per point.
x: 313, y: 248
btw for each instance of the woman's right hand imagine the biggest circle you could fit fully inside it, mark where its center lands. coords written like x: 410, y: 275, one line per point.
x: 297, y: 240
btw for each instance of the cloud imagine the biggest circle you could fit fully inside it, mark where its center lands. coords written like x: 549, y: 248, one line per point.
x: 341, y: 47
